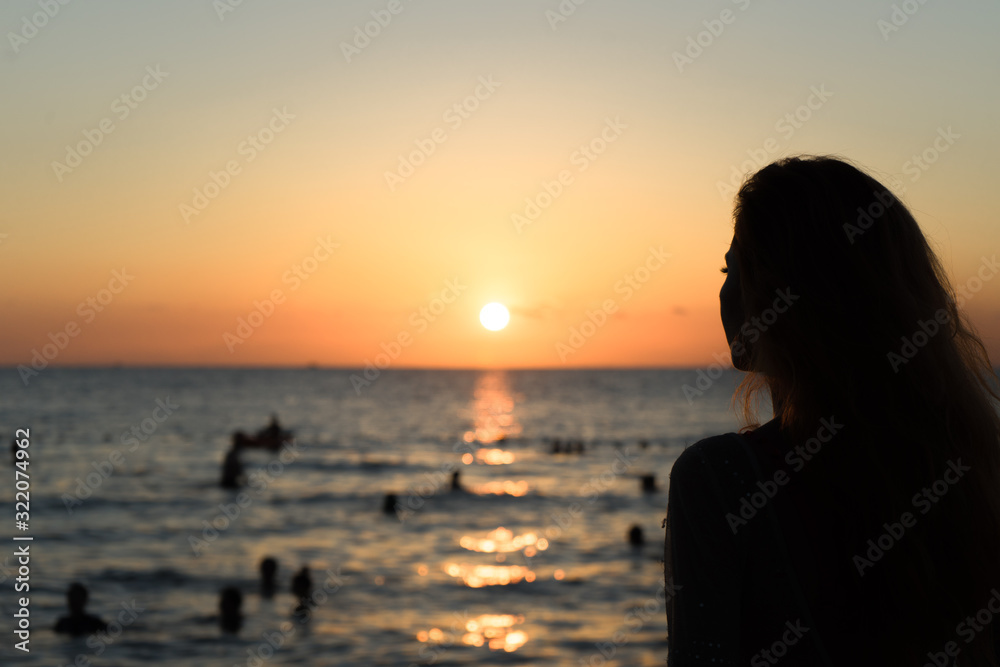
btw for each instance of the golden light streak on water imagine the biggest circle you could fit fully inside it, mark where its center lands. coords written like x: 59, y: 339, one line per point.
x: 503, y: 540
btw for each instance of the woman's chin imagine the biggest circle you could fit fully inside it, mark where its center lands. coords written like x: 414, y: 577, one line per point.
x: 741, y: 362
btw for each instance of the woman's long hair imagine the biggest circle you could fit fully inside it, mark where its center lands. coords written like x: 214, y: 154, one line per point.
x: 876, y: 339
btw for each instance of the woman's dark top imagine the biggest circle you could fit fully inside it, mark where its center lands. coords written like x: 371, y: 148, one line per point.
x: 733, y: 595
x: 754, y: 576
x: 732, y: 540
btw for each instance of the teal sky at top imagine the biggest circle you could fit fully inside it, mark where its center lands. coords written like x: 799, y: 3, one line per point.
x: 939, y: 68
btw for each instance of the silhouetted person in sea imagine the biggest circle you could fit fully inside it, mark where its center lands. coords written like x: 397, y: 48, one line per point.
x: 635, y: 536
x: 302, y: 585
x: 272, y: 430
x: 302, y: 582
x: 456, y: 482
x: 232, y: 467
x: 648, y: 483
x: 389, y: 503
x: 78, y: 622
x: 230, y: 615
x: 861, y: 524
x: 268, y: 575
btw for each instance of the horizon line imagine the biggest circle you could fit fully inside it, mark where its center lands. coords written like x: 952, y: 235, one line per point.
x: 312, y: 366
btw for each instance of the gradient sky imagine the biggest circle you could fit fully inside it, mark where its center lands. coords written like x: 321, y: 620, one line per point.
x: 610, y: 67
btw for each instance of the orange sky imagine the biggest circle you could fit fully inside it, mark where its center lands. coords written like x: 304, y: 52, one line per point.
x: 232, y: 155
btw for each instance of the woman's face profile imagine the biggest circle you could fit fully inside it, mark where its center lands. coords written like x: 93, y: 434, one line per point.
x: 731, y: 305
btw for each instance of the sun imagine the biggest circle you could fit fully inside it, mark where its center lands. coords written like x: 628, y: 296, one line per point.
x: 494, y: 316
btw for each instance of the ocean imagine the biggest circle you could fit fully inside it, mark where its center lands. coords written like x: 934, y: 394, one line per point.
x: 528, y: 563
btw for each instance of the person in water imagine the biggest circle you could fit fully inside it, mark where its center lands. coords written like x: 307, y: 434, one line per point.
x: 273, y: 430
x: 302, y: 587
x: 78, y: 622
x: 861, y: 524
x: 232, y: 467
x: 268, y: 575
x: 389, y: 502
x: 230, y: 610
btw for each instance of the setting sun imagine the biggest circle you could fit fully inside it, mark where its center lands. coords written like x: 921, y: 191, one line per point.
x: 494, y: 316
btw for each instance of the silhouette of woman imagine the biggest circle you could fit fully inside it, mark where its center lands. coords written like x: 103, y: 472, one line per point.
x: 860, y: 525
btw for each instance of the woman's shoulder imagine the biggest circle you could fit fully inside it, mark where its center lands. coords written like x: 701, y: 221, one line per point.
x: 712, y: 452
x: 707, y: 451
x: 717, y: 464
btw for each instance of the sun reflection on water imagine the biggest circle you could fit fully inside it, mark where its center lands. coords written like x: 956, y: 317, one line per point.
x: 493, y: 408
x: 501, y: 488
x: 492, y: 630
x: 503, y: 540
x: 491, y: 456
x: 478, y: 576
